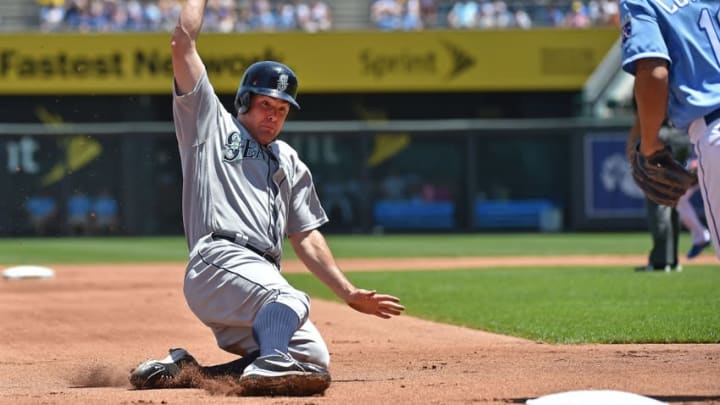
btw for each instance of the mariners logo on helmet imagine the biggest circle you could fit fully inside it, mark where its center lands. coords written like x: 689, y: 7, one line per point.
x: 282, y: 82
x: 268, y: 78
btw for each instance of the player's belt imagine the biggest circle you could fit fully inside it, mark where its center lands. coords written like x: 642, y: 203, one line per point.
x: 712, y: 117
x: 237, y: 238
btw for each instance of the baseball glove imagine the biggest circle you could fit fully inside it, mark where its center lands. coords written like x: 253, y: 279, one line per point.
x: 660, y: 176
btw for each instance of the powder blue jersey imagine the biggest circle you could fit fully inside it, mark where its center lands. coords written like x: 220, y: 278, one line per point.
x: 686, y: 33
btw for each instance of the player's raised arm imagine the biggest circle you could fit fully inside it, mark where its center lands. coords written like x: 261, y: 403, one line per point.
x: 187, y: 65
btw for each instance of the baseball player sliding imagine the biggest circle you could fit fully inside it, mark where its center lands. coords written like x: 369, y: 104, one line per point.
x: 243, y: 191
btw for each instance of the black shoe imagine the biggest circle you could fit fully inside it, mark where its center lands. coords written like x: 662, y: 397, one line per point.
x: 666, y: 268
x: 644, y: 268
x: 156, y: 373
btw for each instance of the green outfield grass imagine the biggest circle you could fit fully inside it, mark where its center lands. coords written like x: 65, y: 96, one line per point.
x: 158, y: 249
x: 559, y: 305
x: 92, y: 250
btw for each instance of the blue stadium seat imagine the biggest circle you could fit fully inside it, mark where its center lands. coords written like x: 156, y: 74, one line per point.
x: 414, y: 214
x: 516, y: 214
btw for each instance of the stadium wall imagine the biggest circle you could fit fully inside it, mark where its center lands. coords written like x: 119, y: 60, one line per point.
x: 499, y: 107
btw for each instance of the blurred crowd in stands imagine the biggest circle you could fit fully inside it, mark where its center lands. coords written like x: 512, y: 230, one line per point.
x: 493, y: 14
x: 411, y: 15
x: 316, y: 15
x: 162, y: 15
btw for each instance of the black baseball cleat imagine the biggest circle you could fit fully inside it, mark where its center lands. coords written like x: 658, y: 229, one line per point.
x: 157, y: 373
x: 667, y: 268
x: 281, y: 375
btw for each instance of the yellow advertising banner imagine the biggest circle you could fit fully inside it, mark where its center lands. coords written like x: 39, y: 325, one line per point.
x: 334, y: 62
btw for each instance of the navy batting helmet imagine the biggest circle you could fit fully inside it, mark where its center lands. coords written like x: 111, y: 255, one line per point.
x: 268, y: 78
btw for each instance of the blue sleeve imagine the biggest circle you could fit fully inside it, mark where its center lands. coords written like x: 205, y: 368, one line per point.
x: 641, y: 35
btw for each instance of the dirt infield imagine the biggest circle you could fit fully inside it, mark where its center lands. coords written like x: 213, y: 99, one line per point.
x: 73, y: 339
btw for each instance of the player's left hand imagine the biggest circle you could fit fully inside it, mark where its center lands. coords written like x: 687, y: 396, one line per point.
x: 372, y: 303
x: 662, y: 179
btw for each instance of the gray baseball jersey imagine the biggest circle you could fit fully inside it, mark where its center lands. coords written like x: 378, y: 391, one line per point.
x: 232, y: 183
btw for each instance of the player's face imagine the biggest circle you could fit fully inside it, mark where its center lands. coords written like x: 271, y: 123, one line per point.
x: 265, y: 118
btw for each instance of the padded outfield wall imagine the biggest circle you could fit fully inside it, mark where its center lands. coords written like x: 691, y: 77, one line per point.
x: 400, y: 176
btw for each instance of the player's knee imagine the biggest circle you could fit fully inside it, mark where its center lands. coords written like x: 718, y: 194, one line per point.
x: 315, y: 352
x: 297, y: 301
x: 322, y: 358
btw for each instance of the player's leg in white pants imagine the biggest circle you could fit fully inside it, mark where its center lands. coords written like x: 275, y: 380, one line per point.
x: 225, y: 287
x: 707, y: 147
x: 689, y: 218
